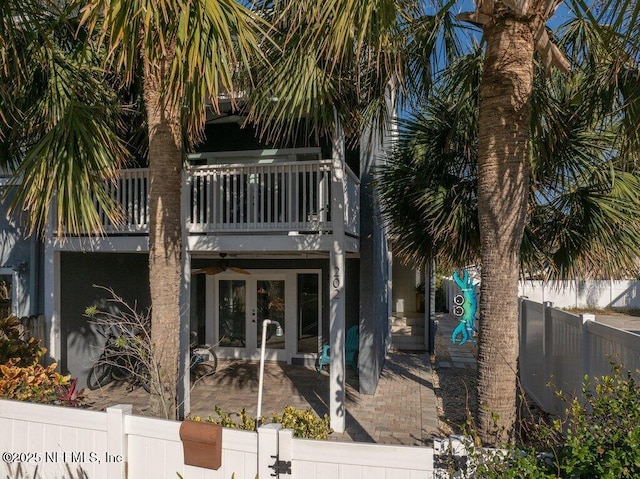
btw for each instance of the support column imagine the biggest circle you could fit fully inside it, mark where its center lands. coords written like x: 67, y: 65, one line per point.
x: 53, y: 335
x: 337, y: 328
x: 209, y: 320
x: 184, y: 386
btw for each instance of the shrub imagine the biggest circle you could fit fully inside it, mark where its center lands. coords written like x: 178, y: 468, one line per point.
x: 22, y: 378
x: 599, y: 438
x: 304, y: 422
x: 603, y: 433
x: 35, y: 383
x: 14, y: 346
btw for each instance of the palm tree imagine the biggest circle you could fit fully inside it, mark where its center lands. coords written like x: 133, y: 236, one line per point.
x: 513, y: 31
x: 51, y: 87
x: 351, y: 39
x: 62, y: 113
x: 467, y: 192
x: 186, y: 53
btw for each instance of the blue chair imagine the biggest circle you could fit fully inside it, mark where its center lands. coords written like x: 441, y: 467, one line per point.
x: 351, y: 345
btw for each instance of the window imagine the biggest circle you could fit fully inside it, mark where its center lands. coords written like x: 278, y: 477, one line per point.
x: 6, y: 295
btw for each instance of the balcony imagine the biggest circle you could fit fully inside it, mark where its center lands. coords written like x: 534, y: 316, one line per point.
x: 250, y: 197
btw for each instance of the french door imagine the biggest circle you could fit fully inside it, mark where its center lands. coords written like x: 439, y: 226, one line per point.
x: 242, y: 303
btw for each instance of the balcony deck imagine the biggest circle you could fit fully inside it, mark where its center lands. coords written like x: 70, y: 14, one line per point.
x: 252, y: 195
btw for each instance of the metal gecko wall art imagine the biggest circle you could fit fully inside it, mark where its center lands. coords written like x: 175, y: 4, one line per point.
x: 465, y: 306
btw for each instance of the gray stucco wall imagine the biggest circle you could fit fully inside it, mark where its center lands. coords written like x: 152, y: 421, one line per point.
x: 126, y: 273
x: 351, y: 282
x: 374, y: 276
x: 20, y: 255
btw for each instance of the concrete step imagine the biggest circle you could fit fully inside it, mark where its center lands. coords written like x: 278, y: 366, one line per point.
x: 408, y: 343
x: 408, y: 330
x: 408, y: 321
x: 398, y: 340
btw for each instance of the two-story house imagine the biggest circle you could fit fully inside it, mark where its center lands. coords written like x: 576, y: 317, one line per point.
x: 292, y: 234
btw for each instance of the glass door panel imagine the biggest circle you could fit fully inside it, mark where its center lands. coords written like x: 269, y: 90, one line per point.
x: 232, y: 315
x: 270, y: 304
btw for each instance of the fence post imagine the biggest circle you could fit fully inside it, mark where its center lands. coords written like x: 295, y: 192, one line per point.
x: 115, y: 457
x: 267, y: 448
x: 522, y: 329
x: 547, y: 354
x: 585, y: 344
x: 285, y: 438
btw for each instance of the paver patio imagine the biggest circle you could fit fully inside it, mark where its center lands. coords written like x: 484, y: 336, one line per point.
x: 402, y: 411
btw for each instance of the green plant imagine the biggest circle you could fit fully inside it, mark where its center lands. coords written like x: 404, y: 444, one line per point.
x: 246, y: 423
x: 35, y: 383
x: 304, y: 422
x: 598, y: 438
x: 14, y: 345
x: 603, y: 432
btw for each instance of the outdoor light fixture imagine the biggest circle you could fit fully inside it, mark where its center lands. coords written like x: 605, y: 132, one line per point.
x: 279, y: 332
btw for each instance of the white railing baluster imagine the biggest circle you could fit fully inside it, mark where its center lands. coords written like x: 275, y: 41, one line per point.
x: 268, y: 218
x: 286, y: 196
x: 289, y: 210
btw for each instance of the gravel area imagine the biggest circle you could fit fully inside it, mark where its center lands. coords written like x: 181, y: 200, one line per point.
x: 455, y: 390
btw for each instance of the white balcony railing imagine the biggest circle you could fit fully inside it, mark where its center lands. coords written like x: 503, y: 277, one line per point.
x: 131, y: 192
x: 250, y: 197
x: 281, y: 196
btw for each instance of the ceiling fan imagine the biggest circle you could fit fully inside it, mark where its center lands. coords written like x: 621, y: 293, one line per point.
x: 220, y: 268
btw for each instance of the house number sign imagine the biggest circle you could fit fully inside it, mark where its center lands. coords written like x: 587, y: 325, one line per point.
x: 336, y: 281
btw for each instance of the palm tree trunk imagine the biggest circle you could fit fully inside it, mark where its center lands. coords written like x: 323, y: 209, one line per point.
x: 165, y: 168
x: 503, y: 185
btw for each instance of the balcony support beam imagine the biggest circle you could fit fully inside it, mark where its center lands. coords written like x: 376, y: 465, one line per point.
x: 337, y: 370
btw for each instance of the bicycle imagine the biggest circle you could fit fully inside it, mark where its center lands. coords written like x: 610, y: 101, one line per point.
x: 204, y: 361
x: 119, y: 361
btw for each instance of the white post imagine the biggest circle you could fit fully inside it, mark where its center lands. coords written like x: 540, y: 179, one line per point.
x: 115, y: 457
x: 209, y: 320
x: 261, y: 372
x: 52, y: 297
x: 184, y: 386
x: 337, y: 372
x: 267, y: 448
x: 279, y: 332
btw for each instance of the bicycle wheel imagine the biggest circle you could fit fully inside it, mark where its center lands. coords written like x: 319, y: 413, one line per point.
x: 99, y: 375
x: 143, y: 378
x: 125, y: 366
x: 120, y: 371
x: 204, y: 354
x: 202, y: 370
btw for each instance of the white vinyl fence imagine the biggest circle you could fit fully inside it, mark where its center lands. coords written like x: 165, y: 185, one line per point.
x: 54, y: 442
x: 559, y: 348
x: 623, y: 294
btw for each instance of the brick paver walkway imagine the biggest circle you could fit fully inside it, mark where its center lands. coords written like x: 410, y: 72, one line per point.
x: 402, y: 411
